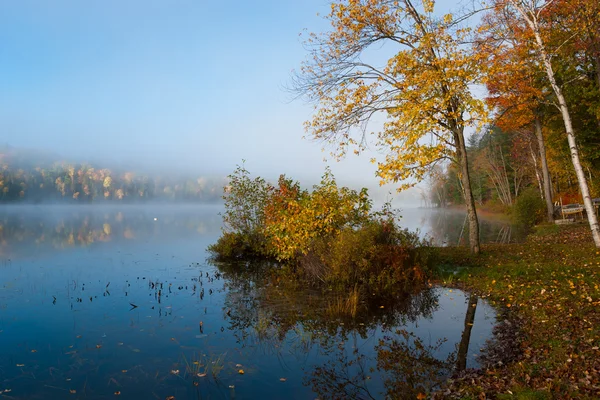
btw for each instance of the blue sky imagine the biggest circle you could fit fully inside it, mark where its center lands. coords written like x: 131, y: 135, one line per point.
x: 188, y: 85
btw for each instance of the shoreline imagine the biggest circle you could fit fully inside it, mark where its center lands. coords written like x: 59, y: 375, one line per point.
x: 547, y: 295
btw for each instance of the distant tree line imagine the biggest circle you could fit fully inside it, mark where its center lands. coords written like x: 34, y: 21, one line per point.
x: 84, y: 183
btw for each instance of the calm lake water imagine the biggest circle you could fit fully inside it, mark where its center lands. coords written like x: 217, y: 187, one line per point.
x: 98, y: 302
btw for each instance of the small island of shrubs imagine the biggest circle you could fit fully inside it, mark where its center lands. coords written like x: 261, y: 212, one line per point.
x: 328, y: 236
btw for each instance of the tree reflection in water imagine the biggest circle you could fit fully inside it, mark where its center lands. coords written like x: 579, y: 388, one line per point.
x: 365, y: 357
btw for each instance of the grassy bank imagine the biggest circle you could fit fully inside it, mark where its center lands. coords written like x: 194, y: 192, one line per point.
x: 548, y: 290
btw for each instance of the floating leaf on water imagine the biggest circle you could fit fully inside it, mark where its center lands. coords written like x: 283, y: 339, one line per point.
x: 282, y: 379
x: 201, y: 374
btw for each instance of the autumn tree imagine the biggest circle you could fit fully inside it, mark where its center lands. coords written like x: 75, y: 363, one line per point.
x: 515, y: 90
x: 417, y: 102
x: 536, y: 17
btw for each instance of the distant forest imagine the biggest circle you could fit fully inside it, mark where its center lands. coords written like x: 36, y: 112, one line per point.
x: 36, y: 177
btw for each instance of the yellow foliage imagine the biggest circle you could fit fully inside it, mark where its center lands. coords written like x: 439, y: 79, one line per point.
x: 422, y: 94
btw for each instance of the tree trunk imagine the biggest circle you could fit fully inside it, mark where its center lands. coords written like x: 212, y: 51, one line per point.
x: 461, y: 151
x: 538, y: 177
x: 505, y: 176
x: 463, y: 347
x: 545, y: 172
x: 566, y: 116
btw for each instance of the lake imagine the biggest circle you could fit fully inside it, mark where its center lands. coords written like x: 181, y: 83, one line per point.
x: 105, y: 301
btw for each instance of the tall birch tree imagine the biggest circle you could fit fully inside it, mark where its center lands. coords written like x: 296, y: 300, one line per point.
x: 531, y: 13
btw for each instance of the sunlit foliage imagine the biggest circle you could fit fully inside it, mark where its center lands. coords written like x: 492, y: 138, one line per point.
x: 328, y: 235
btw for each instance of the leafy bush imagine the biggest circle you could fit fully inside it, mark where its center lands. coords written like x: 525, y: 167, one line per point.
x: 328, y: 234
x: 295, y: 218
x: 529, y: 209
x: 234, y: 245
x: 377, y: 255
x: 244, y: 217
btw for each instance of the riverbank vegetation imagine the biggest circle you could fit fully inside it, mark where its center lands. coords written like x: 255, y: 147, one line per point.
x: 328, y: 236
x: 548, y: 292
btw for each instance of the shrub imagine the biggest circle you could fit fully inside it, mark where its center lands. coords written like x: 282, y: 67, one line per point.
x: 377, y: 256
x: 295, y: 218
x: 529, y: 209
x: 328, y: 234
x: 244, y: 218
x: 235, y: 245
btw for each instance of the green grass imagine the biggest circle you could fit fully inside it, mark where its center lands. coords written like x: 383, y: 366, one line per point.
x: 552, y: 282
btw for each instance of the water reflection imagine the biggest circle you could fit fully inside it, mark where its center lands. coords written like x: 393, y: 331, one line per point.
x: 451, y: 228
x: 383, y: 341
x: 136, y: 310
x: 53, y: 228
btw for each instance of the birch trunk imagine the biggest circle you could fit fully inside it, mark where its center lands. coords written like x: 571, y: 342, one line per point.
x: 538, y: 177
x: 530, y: 16
x: 545, y: 172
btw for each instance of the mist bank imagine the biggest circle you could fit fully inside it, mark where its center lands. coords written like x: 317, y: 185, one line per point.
x: 27, y: 177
